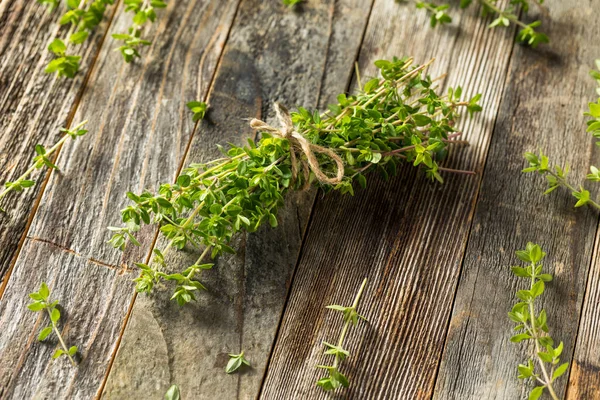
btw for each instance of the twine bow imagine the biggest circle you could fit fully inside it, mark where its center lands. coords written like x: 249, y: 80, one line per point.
x: 299, y: 144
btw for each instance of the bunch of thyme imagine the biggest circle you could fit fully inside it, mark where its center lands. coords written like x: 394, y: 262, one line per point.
x: 557, y: 175
x: 504, y: 17
x: 83, y: 16
x: 42, y: 302
x: 394, y: 120
x: 534, y: 326
x: 42, y: 159
x: 335, y: 378
x: 144, y: 11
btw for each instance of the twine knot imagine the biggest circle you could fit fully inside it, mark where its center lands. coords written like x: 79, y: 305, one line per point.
x: 300, y: 145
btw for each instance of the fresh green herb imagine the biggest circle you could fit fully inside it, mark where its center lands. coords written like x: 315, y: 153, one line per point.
x: 534, y: 326
x: 504, y: 17
x: 438, y: 13
x: 42, y: 159
x: 144, y: 11
x: 83, y: 16
x: 336, y: 379
x: 173, y: 393
x: 596, y: 75
x: 235, y: 362
x: 556, y: 175
x: 291, y: 3
x: 42, y: 302
x: 198, y: 108
x: 394, y: 120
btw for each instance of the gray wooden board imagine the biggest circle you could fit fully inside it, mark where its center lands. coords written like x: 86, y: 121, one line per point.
x: 139, y: 133
x: 273, y: 54
x: 542, y: 108
x: 407, y: 236
x: 33, y: 104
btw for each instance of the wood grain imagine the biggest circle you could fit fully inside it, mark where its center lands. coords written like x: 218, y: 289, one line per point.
x: 407, y: 236
x: 273, y: 54
x: 139, y: 133
x: 542, y: 107
x: 34, y: 106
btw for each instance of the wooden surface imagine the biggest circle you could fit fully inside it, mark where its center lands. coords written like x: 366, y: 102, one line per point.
x: 436, y: 257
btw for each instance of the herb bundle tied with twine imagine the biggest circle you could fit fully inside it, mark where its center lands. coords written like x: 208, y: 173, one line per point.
x: 396, y: 119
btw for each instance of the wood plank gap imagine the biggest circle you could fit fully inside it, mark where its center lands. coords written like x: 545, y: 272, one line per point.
x: 581, y: 314
x: 312, y: 207
x: 157, y: 230
x: 474, y: 209
x: 48, y: 173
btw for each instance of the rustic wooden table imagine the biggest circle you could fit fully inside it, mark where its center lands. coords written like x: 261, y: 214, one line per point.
x: 437, y: 257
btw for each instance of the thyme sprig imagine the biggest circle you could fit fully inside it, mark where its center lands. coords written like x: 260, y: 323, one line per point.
x: 557, y: 175
x: 42, y: 302
x: 504, y: 17
x: 534, y: 326
x: 392, y: 120
x: 42, y: 159
x: 144, y: 11
x: 335, y: 378
x: 83, y: 16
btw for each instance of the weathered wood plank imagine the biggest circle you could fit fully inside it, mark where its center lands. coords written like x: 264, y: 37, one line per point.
x: 542, y: 108
x: 406, y: 235
x: 139, y: 132
x: 273, y: 54
x: 33, y: 104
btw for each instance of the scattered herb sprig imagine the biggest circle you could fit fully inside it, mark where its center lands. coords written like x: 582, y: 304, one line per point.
x: 557, y: 175
x: 144, y: 11
x: 393, y: 120
x: 534, y: 326
x: 83, y: 16
x: 504, y: 17
x: 42, y: 302
x: 42, y: 159
x: 236, y: 361
x: 335, y: 378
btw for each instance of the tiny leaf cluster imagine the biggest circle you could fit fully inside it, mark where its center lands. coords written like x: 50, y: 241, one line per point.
x: 533, y: 326
x: 144, y: 11
x: 198, y: 109
x: 503, y: 17
x: 557, y: 175
x: 41, y: 302
x: 335, y: 379
x: 42, y: 159
x: 392, y: 120
x: 236, y: 361
x: 83, y: 16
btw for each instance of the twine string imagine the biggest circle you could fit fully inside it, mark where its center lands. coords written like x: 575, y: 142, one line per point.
x: 300, y: 145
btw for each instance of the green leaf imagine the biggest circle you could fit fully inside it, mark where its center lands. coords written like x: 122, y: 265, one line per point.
x: 36, y: 306
x: 520, y: 337
x: 560, y: 370
x: 58, y: 353
x: 537, y: 289
x: 44, y: 333
x: 44, y: 291
x: 55, y: 315
x: 57, y: 47
x: 536, y: 393
x: 173, y: 393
